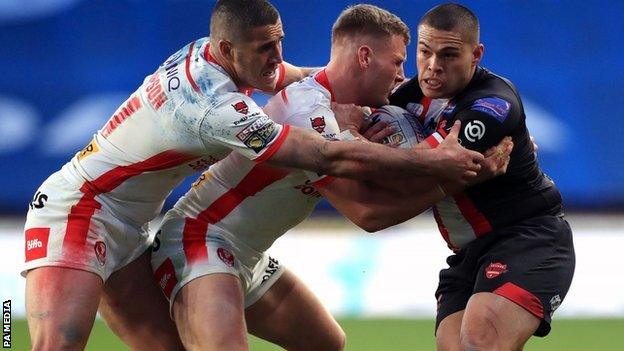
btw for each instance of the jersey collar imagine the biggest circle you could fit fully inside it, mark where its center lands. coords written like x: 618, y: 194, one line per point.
x: 321, y: 78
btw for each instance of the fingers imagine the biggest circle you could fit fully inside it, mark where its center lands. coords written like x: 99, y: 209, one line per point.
x: 379, y: 131
x: 454, y: 133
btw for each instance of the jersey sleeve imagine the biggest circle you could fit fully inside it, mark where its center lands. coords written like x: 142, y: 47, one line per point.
x: 483, y: 124
x: 237, y: 122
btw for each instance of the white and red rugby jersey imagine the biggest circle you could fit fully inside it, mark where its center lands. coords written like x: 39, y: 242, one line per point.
x: 253, y: 204
x: 183, y: 118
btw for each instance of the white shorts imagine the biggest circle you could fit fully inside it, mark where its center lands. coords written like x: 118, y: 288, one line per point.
x: 178, y: 259
x: 68, y: 228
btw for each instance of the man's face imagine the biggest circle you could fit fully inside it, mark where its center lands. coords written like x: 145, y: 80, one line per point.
x: 255, y: 60
x: 385, y: 71
x: 445, y: 61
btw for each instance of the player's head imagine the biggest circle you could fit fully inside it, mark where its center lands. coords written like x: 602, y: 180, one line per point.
x: 448, y: 50
x: 373, y: 41
x: 247, y: 35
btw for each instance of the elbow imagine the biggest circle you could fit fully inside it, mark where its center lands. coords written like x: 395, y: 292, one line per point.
x: 370, y: 221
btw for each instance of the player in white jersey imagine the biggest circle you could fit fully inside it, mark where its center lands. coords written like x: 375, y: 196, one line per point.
x: 85, y: 244
x: 209, y: 256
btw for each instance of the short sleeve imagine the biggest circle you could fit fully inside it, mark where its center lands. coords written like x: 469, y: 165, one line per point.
x: 238, y: 123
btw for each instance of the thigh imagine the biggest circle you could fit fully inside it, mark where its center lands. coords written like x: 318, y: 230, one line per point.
x: 448, y: 332
x: 291, y: 316
x: 209, y: 313
x: 61, y: 304
x: 487, y: 313
x: 136, y: 310
x: 532, y: 267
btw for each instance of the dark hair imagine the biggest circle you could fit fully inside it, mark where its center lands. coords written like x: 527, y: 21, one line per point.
x: 369, y: 20
x: 449, y: 17
x: 231, y: 19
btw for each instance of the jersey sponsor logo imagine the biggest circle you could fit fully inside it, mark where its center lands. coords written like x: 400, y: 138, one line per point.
x: 258, y: 134
x: 36, y: 245
x: 203, y: 163
x: 495, y: 269
x: 171, y: 69
x: 38, y: 201
x: 100, y: 252
x: 226, y: 256
x: 318, y: 123
x: 155, y: 93
x: 88, y: 150
x: 165, y: 277
x: 272, y: 267
x: 493, y: 106
x: 474, y: 130
x: 308, y: 189
x: 241, y: 107
x: 123, y: 113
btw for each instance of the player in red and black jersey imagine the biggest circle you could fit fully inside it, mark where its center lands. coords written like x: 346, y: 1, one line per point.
x: 514, y: 257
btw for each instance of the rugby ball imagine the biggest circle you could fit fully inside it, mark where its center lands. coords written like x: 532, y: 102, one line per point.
x: 408, y: 129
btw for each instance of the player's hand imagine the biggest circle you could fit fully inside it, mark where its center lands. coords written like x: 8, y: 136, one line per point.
x: 454, y: 162
x: 348, y: 116
x: 376, y: 132
x: 496, y: 161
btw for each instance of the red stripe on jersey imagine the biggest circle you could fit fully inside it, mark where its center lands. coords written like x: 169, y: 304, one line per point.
x: 36, y: 243
x: 322, y: 79
x: 208, y: 56
x: 276, y: 144
x: 432, y: 141
x: 442, y: 132
x: 475, y: 218
x: 284, y: 96
x: 281, y: 74
x: 79, y: 218
x: 187, y: 68
x: 194, y: 235
x: 425, y: 102
x: 521, y: 297
x: 443, y: 229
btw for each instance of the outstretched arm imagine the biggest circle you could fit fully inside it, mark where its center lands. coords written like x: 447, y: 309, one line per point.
x: 364, y: 160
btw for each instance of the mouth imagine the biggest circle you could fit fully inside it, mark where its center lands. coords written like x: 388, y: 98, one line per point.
x: 432, y: 83
x: 269, y: 74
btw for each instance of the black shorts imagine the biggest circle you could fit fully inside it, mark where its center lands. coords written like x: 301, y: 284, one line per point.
x: 530, y: 263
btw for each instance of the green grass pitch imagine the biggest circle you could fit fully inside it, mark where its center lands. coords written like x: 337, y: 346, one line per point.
x: 399, y: 335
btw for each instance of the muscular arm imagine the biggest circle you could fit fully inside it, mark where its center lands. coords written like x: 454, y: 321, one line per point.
x: 364, y: 160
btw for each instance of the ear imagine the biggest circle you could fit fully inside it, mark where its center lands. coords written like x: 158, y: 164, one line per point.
x: 364, y: 56
x: 477, y: 54
x: 226, y: 49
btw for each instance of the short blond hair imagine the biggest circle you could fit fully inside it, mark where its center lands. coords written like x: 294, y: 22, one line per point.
x: 365, y: 19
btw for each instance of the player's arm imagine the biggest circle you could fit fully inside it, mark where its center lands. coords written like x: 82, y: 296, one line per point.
x: 374, y: 208
x: 364, y: 160
x: 380, y: 204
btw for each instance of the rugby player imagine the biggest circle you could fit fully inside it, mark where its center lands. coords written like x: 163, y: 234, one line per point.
x: 86, y: 246
x: 210, y: 253
x: 513, y: 256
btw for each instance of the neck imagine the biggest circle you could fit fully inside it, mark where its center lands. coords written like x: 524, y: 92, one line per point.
x: 343, y: 81
x: 228, y: 67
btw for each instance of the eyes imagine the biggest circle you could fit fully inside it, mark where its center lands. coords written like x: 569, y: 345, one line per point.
x: 270, y: 46
x: 446, y: 55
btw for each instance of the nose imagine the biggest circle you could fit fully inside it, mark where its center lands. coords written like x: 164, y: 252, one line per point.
x: 433, y: 64
x: 276, y: 54
x: 400, y: 75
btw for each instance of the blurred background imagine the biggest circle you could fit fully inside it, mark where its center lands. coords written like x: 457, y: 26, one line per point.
x: 68, y: 64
